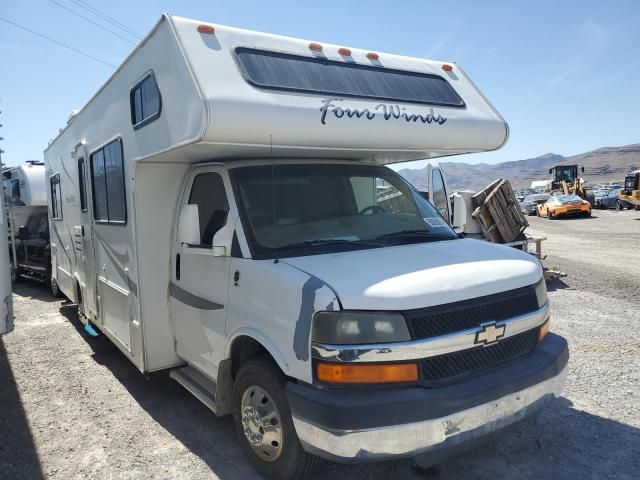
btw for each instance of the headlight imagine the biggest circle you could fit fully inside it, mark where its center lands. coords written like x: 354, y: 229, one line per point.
x: 541, y: 292
x: 345, y: 328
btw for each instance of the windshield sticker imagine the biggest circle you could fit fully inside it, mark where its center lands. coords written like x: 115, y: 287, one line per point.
x: 435, y: 222
x: 388, y: 111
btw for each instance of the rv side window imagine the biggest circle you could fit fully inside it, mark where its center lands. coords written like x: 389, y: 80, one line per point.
x: 145, y: 102
x: 440, y: 195
x: 283, y: 71
x: 56, y: 198
x: 107, y: 181
x: 81, y: 179
x: 208, y: 193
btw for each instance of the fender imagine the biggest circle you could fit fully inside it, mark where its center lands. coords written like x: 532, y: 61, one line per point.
x: 262, y: 340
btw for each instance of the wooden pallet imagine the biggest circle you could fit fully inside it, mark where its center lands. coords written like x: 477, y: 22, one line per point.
x: 498, y: 213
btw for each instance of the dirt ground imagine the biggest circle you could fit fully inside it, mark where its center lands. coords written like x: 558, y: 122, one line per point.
x: 73, y: 407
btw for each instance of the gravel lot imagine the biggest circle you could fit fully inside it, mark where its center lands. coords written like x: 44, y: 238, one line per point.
x: 73, y: 407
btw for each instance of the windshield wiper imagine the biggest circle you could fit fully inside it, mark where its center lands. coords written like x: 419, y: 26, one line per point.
x: 330, y: 241
x: 414, y: 234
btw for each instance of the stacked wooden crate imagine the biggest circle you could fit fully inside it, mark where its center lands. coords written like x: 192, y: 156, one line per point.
x: 497, y: 211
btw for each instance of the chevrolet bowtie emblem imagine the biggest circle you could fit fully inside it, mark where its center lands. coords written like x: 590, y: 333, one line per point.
x: 489, y: 333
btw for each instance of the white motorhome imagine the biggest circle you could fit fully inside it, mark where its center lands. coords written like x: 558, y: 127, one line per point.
x: 221, y: 208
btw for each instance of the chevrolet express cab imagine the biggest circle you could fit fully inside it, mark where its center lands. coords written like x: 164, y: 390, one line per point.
x: 222, y: 209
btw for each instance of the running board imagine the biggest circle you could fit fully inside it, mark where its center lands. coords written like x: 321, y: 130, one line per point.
x: 203, y: 388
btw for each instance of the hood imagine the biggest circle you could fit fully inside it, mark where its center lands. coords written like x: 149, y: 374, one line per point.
x: 422, y: 275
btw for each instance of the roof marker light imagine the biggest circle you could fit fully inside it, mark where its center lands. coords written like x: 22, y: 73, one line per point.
x: 373, y: 56
x: 208, y: 29
x: 316, y: 47
x: 345, y: 52
x: 447, y: 68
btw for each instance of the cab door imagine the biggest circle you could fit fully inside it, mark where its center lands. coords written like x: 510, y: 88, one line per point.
x: 83, y: 238
x: 199, y: 288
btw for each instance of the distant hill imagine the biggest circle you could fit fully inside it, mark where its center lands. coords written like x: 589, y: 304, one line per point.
x: 605, y: 164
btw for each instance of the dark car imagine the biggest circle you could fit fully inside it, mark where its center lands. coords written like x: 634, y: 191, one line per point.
x: 611, y: 200
x: 33, y: 251
x: 530, y: 203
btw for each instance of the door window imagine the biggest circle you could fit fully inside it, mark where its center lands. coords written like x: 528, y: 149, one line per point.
x: 209, y: 194
x: 81, y: 179
x: 56, y: 198
x: 439, y: 194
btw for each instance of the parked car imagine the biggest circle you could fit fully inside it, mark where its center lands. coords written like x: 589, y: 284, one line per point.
x: 564, y: 205
x: 529, y: 205
x: 611, y: 200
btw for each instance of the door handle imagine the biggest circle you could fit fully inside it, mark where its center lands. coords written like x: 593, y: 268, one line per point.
x: 177, y: 266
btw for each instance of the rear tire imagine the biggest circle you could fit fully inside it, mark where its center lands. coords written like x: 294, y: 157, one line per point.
x: 261, y: 412
x: 55, y: 289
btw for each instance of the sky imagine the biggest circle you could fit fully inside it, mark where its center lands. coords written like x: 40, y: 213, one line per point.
x: 565, y: 75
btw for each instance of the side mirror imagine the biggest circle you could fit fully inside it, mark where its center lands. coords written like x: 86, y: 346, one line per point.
x: 550, y: 171
x: 582, y: 169
x: 424, y: 195
x: 189, y: 225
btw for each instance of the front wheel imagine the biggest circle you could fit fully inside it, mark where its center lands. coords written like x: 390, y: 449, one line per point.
x: 264, y: 425
x: 619, y: 206
x: 549, y: 215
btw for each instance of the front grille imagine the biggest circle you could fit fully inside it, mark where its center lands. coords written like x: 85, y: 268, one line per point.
x: 453, y: 366
x: 453, y: 317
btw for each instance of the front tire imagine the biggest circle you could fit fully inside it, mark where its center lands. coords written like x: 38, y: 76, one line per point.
x: 619, y: 206
x: 264, y: 425
x: 549, y: 215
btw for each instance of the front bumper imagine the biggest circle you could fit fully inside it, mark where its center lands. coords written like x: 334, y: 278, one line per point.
x: 369, y: 425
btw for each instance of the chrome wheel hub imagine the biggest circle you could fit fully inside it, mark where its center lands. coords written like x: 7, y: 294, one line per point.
x: 261, y: 423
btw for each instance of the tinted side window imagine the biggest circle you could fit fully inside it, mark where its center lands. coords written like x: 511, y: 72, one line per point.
x: 145, y: 102
x: 107, y: 181
x: 56, y: 198
x: 81, y: 179
x: 440, y: 195
x: 208, y: 193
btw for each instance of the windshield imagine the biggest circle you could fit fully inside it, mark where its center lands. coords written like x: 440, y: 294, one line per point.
x: 306, y: 209
x: 568, y: 198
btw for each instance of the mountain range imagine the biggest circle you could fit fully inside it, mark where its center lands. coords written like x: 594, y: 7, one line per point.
x: 603, y: 165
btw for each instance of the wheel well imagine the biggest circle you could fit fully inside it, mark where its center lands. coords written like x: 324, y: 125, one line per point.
x: 245, y: 348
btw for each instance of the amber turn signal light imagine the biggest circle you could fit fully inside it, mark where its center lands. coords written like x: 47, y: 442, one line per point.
x: 544, y: 329
x: 367, y: 373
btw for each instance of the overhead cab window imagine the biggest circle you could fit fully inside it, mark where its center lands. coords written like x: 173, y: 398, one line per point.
x: 145, y: 102
x: 282, y: 71
x: 107, y: 182
x: 56, y: 198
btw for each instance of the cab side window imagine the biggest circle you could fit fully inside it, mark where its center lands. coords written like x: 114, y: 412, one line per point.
x: 213, y: 208
x: 439, y: 197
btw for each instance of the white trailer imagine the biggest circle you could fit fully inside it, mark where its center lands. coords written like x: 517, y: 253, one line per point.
x: 221, y: 208
x: 25, y: 195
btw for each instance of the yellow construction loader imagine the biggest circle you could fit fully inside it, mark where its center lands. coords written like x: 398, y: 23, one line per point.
x: 631, y: 191
x: 565, y: 179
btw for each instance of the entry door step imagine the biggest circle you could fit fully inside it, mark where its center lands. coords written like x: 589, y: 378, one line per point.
x: 202, y: 387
